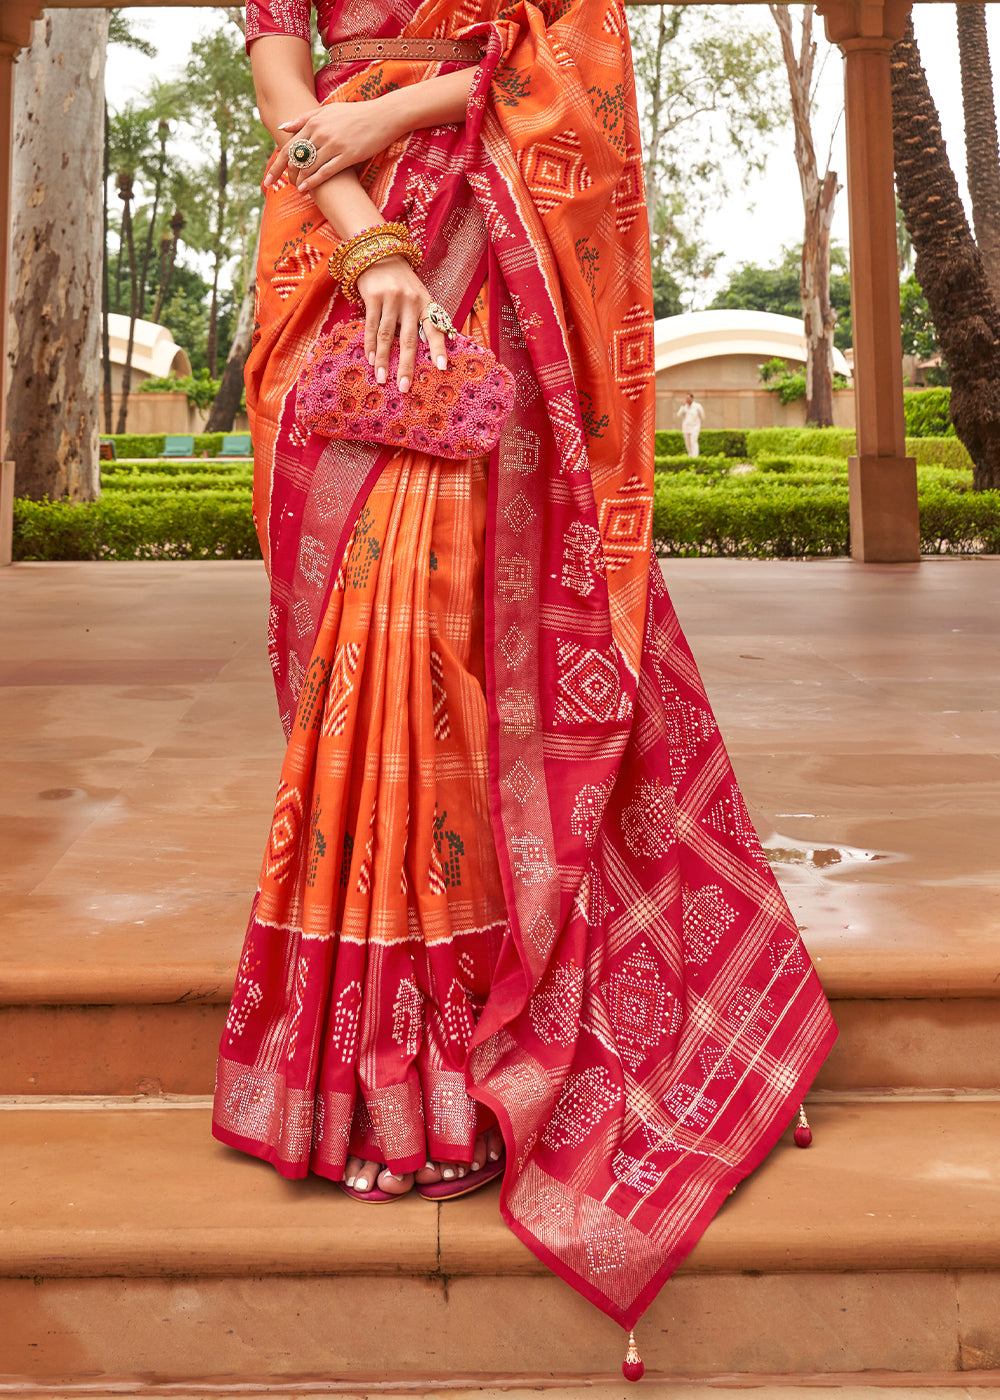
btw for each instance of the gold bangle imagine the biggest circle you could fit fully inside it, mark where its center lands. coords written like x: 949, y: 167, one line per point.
x: 399, y: 230
x: 375, y: 249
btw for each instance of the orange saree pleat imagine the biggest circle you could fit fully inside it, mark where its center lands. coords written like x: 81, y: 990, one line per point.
x: 383, y: 809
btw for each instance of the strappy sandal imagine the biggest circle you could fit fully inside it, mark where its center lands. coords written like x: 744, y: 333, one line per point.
x: 463, y: 1185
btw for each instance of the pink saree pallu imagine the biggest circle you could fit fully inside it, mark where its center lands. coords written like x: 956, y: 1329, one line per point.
x: 511, y: 876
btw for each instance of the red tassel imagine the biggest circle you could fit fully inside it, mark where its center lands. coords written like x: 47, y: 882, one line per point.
x: 803, y: 1132
x: 633, y: 1368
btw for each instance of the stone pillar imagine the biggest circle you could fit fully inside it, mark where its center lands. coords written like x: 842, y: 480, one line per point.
x: 885, y: 525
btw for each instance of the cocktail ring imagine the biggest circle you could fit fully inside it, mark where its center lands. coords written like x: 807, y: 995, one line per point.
x: 439, y: 319
x: 302, y: 153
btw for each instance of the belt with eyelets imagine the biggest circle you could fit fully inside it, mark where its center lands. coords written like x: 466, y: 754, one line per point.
x: 430, y: 50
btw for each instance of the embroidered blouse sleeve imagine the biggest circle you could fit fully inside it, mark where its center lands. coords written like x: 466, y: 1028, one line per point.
x: 277, y: 17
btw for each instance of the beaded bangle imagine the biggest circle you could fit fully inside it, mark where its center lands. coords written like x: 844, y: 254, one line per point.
x: 369, y: 259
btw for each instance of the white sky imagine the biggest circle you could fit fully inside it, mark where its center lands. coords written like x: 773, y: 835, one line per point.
x: 775, y: 218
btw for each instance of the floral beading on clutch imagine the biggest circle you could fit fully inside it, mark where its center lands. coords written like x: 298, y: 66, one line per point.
x: 457, y: 412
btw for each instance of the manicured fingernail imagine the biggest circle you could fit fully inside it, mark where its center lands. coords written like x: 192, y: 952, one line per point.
x: 404, y: 384
x: 476, y: 1166
x: 381, y: 375
x: 371, y: 357
x: 442, y: 362
x: 494, y: 1156
x: 448, y: 1173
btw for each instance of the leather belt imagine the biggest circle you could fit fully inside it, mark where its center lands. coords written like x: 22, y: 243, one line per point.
x: 426, y: 50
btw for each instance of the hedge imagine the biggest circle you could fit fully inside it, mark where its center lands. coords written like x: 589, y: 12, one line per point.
x: 145, y: 445
x: 715, y: 521
x: 157, y: 482
x: 779, y: 442
x: 713, y: 442
x: 928, y: 413
x: 113, y: 472
x: 703, y: 464
x: 188, y: 526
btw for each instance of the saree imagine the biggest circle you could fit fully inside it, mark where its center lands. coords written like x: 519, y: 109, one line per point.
x: 510, y: 876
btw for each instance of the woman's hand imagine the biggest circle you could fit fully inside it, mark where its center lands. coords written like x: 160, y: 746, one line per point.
x: 345, y: 134
x: 395, y: 299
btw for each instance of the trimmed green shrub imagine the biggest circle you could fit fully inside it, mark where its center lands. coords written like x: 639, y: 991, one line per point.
x: 156, y: 482
x: 947, y: 451
x: 821, y: 442
x: 928, y: 413
x: 175, y: 526
x: 145, y: 445
x: 708, y: 465
x: 725, y: 442
x: 775, y: 524
x: 225, y: 468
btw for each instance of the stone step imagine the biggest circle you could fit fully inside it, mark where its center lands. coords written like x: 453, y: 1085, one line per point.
x: 153, y: 1047
x: 133, y: 1245
x: 903, y: 1386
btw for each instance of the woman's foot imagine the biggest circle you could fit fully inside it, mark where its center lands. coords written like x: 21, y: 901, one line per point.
x: 364, y: 1177
x: 487, y: 1151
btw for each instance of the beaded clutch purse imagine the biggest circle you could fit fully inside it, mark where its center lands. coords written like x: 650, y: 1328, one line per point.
x: 456, y: 412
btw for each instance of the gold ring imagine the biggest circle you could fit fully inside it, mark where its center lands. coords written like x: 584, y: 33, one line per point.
x: 302, y: 153
x: 439, y: 319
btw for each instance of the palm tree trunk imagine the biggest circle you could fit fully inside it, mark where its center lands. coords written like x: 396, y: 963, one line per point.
x: 982, y: 156
x: 948, y: 264
x: 162, y: 132
x: 168, y: 257
x: 106, y: 287
x: 227, y: 400
x: 125, y: 190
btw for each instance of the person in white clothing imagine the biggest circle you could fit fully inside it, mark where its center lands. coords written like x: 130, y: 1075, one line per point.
x: 692, y: 416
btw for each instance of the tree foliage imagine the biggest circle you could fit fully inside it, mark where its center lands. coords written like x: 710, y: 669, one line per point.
x: 776, y: 289
x: 706, y: 92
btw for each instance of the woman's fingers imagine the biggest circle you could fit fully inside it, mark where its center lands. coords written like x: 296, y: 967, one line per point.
x: 294, y: 123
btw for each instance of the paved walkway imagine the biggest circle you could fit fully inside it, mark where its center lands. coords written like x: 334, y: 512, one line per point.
x: 141, y: 746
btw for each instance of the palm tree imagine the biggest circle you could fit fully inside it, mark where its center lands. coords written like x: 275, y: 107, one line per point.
x: 982, y: 157
x: 948, y: 265
x: 129, y: 145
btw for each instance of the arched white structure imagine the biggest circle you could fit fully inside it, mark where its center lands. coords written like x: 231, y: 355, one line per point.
x: 712, y: 335
x: 154, y: 351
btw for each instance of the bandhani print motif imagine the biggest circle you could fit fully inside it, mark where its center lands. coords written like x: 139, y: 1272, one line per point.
x: 510, y: 876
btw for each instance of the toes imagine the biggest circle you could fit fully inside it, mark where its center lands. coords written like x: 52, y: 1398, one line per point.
x: 367, y: 1173
x: 494, y: 1145
x: 428, y: 1174
x: 395, y: 1185
x: 351, y: 1168
x: 479, y: 1154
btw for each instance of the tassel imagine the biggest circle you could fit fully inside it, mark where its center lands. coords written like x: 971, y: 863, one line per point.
x: 633, y: 1368
x: 803, y: 1132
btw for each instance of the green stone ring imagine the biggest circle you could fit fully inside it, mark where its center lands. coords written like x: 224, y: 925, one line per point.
x: 302, y: 154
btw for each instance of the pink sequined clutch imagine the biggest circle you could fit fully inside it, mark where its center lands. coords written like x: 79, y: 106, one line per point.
x: 455, y: 412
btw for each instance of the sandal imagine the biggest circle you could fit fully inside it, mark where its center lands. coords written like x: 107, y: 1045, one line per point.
x: 447, y: 1190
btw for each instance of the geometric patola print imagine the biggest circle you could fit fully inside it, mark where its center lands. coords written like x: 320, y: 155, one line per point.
x: 514, y: 578
x: 690, y: 1106
x: 640, y: 1008
x: 625, y: 522
x: 629, y: 196
x: 583, y: 558
x: 284, y: 835
x: 515, y: 646
x: 632, y: 352
x: 555, y: 1007
x: 687, y: 726
x: 584, y: 1101
x: 292, y: 268
x: 531, y: 860
x: 729, y: 817
x: 345, y: 663
x: 442, y: 729
x: 554, y: 170
x: 589, y: 688
x: 636, y: 1172
x: 520, y: 781
x: 649, y: 822
x: 605, y: 1249
x: 588, y: 809
x: 408, y: 1017
x: 788, y: 955
x: 752, y: 1014
x: 707, y: 917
